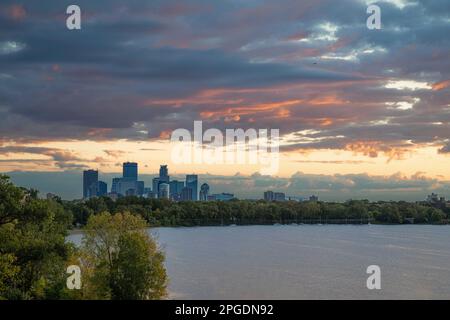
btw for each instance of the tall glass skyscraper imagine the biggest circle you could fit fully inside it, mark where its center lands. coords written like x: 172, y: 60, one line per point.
x: 163, y: 174
x: 192, y: 183
x: 90, y: 183
x: 130, y: 171
x: 102, y: 189
x: 164, y: 190
x: 175, y: 189
x: 155, y: 186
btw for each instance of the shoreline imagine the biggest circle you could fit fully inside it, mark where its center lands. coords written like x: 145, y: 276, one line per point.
x: 80, y: 230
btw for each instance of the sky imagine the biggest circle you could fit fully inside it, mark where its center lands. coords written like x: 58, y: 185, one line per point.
x: 361, y: 113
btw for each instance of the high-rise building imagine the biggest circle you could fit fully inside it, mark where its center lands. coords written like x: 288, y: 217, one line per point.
x: 186, y: 194
x: 268, y: 196
x: 130, y: 192
x: 274, y: 196
x: 164, y: 174
x: 115, y: 185
x: 175, y: 188
x: 155, y: 185
x: 140, y: 186
x: 90, y: 182
x: 152, y: 195
x: 127, y: 187
x: 130, y: 171
x: 147, y: 190
x: 279, y: 196
x: 192, y: 183
x: 102, y: 189
x: 204, y: 192
x: 163, y: 190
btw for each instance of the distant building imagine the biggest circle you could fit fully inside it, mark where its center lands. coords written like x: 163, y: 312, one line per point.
x: 192, y: 183
x: 163, y: 190
x: 268, y: 196
x: 279, y: 196
x: 115, y: 185
x: 435, y: 199
x: 128, y: 184
x: 127, y: 187
x: 175, y: 188
x: 274, y: 196
x: 155, y: 185
x: 186, y: 194
x: 102, y: 189
x: 222, y: 197
x: 438, y: 202
x: 140, y: 186
x: 204, y: 192
x: 314, y: 198
x: 90, y: 182
x: 152, y: 195
x: 164, y: 174
x: 130, y: 171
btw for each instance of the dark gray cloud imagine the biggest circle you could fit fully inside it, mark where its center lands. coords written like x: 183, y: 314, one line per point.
x: 138, y: 68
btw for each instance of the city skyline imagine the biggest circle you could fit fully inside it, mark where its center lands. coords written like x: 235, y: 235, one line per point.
x: 360, y: 112
x: 330, y: 188
x: 161, y: 186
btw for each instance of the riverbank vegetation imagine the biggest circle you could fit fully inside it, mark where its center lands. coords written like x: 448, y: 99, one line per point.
x: 163, y: 212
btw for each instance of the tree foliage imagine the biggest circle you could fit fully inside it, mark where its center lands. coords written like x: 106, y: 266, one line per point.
x: 119, y: 260
x: 162, y: 212
x: 33, y: 250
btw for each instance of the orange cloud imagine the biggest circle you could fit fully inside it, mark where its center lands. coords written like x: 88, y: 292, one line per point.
x: 330, y: 99
x: 17, y: 12
x: 372, y: 148
x: 165, y: 134
x: 98, y: 132
x: 441, y: 85
x: 247, y: 110
x: 326, y: 122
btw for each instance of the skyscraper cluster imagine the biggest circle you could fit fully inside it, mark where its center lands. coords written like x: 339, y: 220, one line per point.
x: 129, y: 185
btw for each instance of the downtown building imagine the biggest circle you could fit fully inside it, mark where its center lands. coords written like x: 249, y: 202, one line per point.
x: 128, y: 184
x: 204, y: 192
x: 92, y: 187
x: 192, y: 183
x: 274, y: 196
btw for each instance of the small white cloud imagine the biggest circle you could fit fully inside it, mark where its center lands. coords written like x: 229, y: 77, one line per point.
x: 403, y: 105
x: 407, y: 84
x: 9, y: 47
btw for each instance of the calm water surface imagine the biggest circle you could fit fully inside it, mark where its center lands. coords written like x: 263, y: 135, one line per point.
x: 305, y: 262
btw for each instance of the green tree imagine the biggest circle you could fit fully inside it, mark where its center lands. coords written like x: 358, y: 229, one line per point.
x: 119, y: 260
x: 32, y: 244
x: 8, y: 274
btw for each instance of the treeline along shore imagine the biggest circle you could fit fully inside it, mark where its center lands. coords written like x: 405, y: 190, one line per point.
x: 166, y: 213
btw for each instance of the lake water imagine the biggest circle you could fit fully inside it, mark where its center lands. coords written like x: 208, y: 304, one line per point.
x: 305, y: 261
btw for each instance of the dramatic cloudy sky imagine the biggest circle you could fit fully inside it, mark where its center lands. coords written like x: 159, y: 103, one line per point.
x: 362, y: 112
